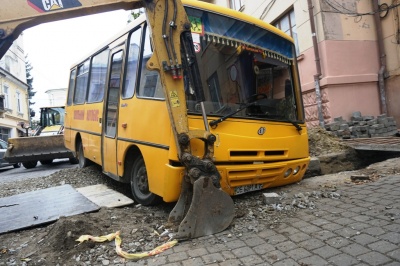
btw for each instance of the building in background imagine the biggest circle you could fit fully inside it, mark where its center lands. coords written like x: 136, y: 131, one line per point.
x: 14, y: 103
x: 57, y: 97
x: 354, y: 60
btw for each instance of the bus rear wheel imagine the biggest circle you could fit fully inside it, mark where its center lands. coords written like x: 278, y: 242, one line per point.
x: 82, y: 161
x: 46, y: 161
x: 140, y: 184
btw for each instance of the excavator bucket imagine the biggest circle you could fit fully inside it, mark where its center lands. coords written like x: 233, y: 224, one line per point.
x: 37, y: 148
x: 202, y: 209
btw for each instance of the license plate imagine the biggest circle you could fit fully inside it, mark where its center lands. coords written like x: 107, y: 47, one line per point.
x: 248, y: 188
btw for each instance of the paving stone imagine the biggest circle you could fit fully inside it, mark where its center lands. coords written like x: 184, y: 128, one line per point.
x: 228, y: 255
x: 313, y: 260
x: 382, y: 246
x: 264, y: 248
x: 197, y: 252
x: 286, y: 246
x: 364, y: 239
x: 298, y: 253
x: 324, y: 234
x: 275, y: 239
x: 254, y: 241
x: 392, y: 237
x: 331, y: 226
x: 299, y: 237
x: 326, y: 251
x: 220, y: 247
x: 192, y: 262
x: 338, y: 242
x: 233, y: 262
x: 319, y: 222
x: 287, y: 230
x: 235, y: 244
x: 251, y: 260
x: 395, y: 254
x: 374, y: 258
x: 343, y: 260
x: 375, y: 231
x: 242, y: 252
x: 354, y: 249
x: 213, y: 258
x: 274, y: 256
x: 178, y: 256
x: 311, y: 244
x: 286, y: 262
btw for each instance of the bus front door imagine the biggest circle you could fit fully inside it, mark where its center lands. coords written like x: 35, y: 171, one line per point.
x: 111, y: 116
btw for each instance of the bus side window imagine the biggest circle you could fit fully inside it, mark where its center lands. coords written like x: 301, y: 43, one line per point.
x: 81, y: 82
x: 71, y: 87
x: 98, y: 75
x: 132, y: 62
x: 149, y: 84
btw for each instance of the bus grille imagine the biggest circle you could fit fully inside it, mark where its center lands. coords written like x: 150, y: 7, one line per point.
x: 253, y: 176
x: 256, y: 155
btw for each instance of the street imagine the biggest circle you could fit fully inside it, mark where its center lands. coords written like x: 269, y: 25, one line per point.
x: 10, y: 174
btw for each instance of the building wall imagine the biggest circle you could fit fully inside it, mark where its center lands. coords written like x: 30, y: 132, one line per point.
x: 348, y: 54
x: 13, y: 86
x: 57, y: 97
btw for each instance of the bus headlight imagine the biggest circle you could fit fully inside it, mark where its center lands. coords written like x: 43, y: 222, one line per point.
x: 288, y: 172
x: 296, y: 170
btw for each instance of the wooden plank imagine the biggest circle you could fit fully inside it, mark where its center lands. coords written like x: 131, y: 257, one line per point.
x: 104, y: 196
x: 42, y: 206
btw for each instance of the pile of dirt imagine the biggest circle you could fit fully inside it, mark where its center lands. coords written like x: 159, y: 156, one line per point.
x: 321, y: 142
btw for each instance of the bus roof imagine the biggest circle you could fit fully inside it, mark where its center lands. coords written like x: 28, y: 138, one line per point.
x: 196, y: 4
x: 237, y: 15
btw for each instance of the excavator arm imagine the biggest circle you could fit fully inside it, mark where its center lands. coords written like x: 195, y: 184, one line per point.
x: 203, y: 208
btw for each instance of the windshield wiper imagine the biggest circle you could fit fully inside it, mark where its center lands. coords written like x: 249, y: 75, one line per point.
x: 219, y: 120
x: 297, y: 126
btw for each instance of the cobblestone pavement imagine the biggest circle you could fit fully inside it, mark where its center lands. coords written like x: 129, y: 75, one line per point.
x: 360, y: 228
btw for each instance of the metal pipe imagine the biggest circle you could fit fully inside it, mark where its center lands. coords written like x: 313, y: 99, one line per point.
x: 317, y: 65
x: 382, y: 57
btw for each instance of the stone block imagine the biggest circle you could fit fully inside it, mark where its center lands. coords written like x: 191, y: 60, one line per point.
x: 271, y: 198
x: 368, y: 117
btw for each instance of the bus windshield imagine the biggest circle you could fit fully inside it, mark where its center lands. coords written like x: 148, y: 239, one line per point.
x: 246, y: 70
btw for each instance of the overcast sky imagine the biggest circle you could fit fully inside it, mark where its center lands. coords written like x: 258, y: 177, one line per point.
x: 53, y: 47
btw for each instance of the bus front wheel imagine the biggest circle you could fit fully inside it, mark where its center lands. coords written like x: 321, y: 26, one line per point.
x: 140, y: 184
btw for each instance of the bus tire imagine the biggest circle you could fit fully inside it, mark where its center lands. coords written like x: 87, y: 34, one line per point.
x: 82, y: 161
x: 140, y: 184
x: 46, y: 161
x: 17, y: 165
x: 29, y: 165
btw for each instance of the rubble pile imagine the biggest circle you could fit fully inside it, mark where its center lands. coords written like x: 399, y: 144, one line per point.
x: 363, y: 126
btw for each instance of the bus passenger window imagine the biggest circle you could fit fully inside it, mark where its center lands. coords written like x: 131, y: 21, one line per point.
x: 149, y: 84
x: 131, y: 68
x: 81, y: 82
x: 71, y: 87
x: 98, y: 74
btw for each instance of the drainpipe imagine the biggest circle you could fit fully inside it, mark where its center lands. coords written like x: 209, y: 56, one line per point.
x: 317, y: 64
x: 382, y: 56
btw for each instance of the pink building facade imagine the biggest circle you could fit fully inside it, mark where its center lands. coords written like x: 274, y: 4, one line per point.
x: 348, y: 39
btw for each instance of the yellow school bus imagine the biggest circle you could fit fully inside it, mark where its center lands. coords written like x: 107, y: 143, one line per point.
x: 117, y: 116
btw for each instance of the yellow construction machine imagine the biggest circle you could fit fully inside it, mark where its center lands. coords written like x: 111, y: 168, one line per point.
x: 45, y: 143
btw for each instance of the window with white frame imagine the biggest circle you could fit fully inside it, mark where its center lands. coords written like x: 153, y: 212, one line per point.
x: 287, y: 24
x: 235, y: 4
x: 19, y: 102
x: 7, y: 103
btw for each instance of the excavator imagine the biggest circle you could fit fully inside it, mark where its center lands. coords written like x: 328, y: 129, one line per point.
x: 200, y: 187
